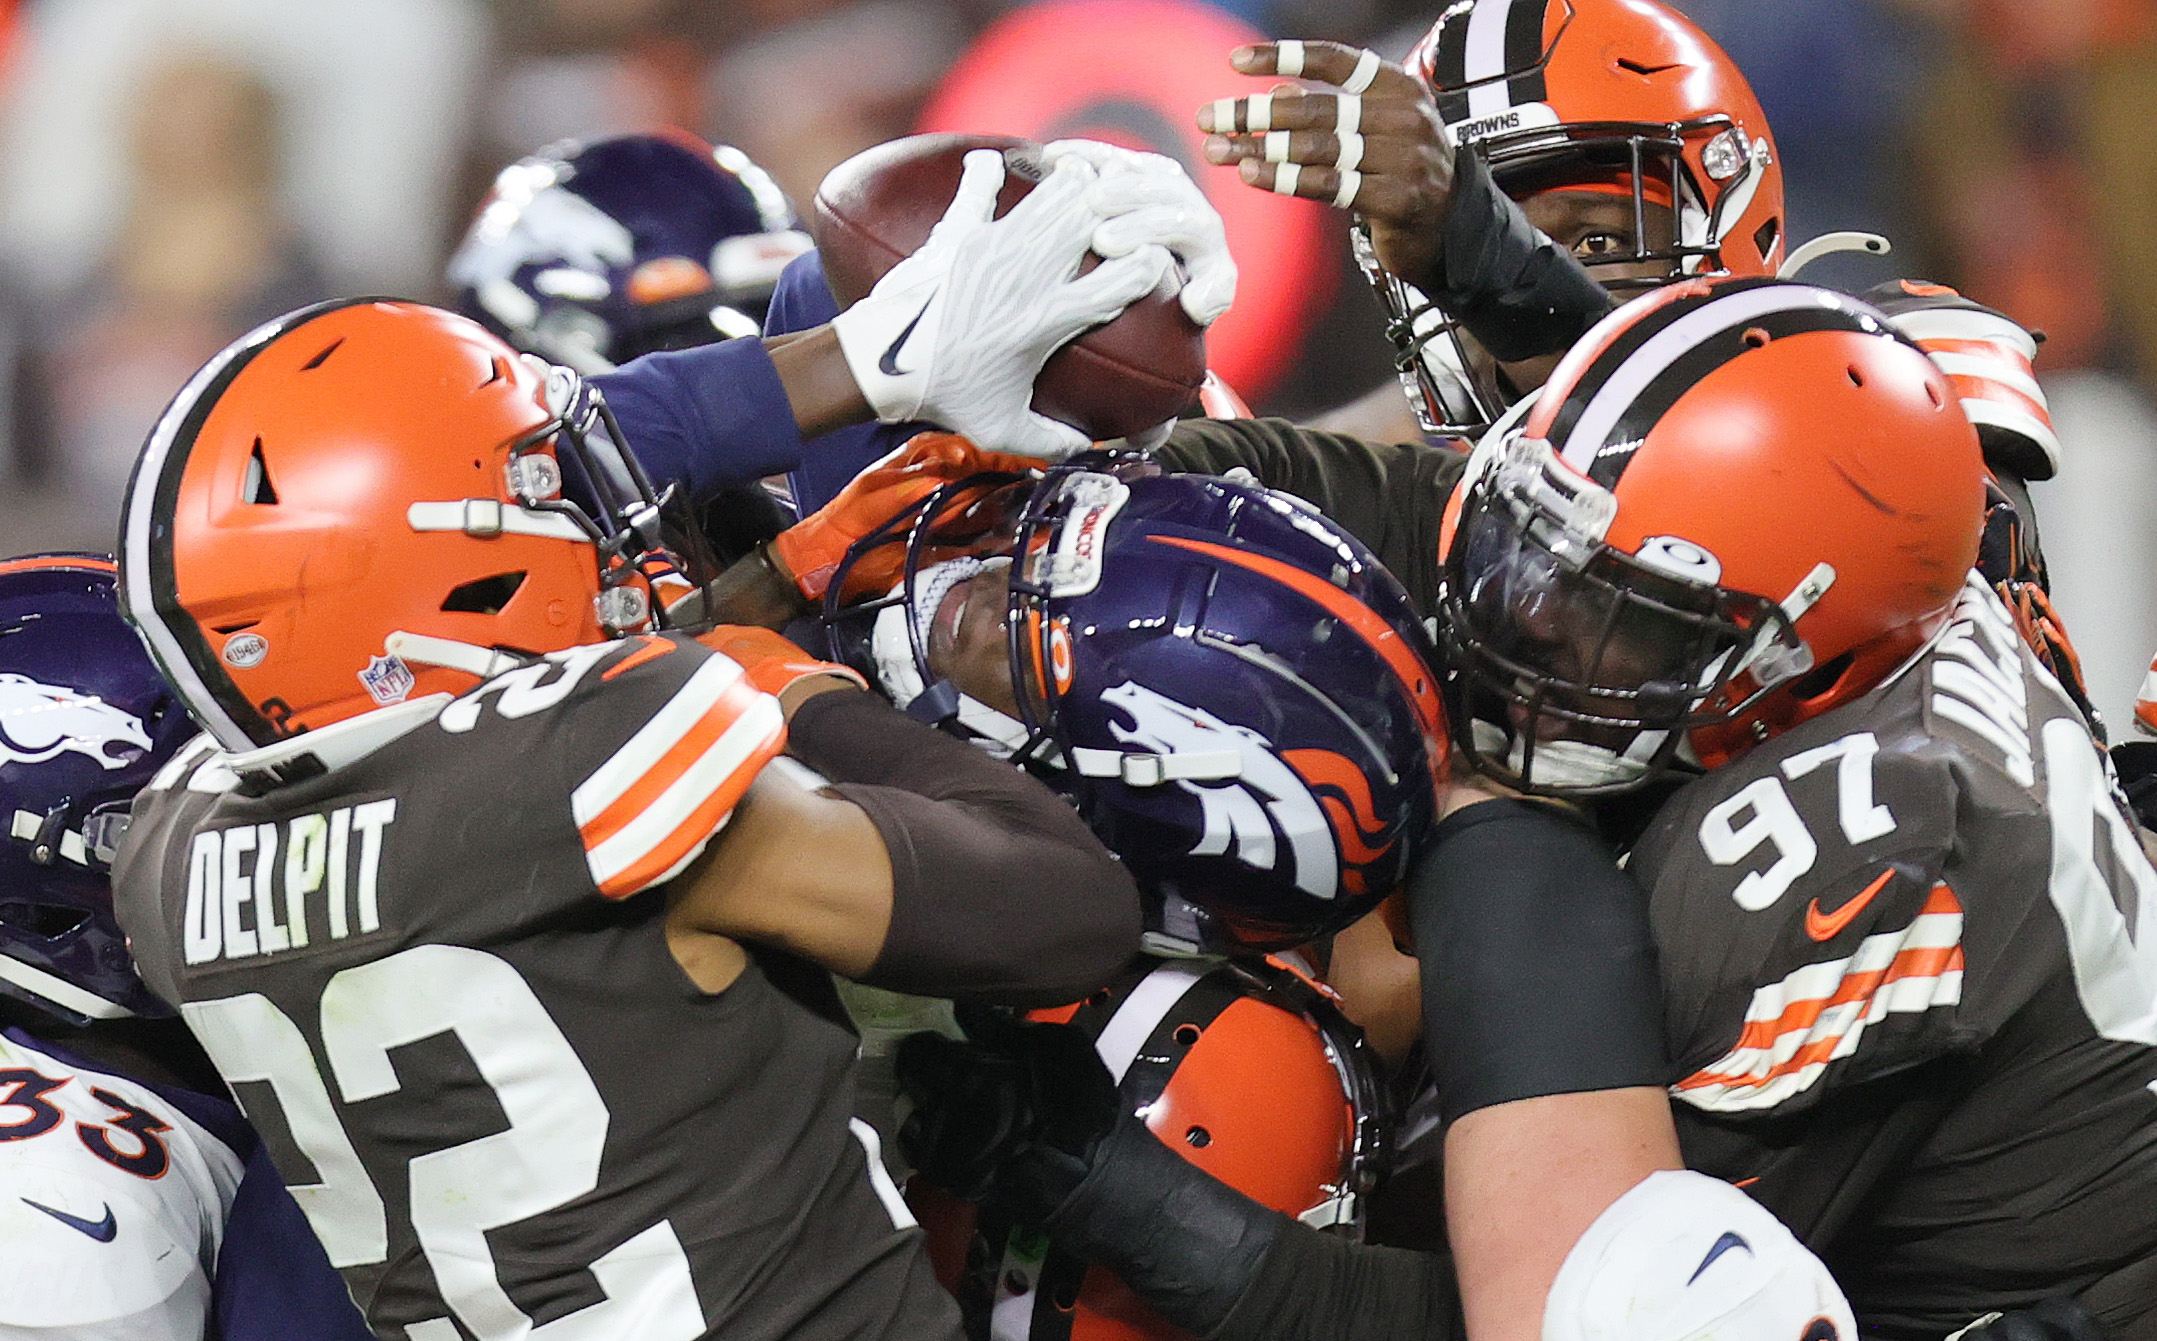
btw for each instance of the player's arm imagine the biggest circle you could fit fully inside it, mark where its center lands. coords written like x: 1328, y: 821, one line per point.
x: 979, y: 308
x: 1392, y: 497
x: 925, y: 866
x: 1435, y: 217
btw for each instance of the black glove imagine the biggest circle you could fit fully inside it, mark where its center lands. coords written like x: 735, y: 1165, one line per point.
x: 1012, y: 1116
x: 2050, y: 1320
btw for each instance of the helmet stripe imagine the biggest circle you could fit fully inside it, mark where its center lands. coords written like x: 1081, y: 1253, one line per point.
x: 1621, y: 395
x: 1524, y: 51
x: 89, y: 563
x: 1447, y: 73
x: 149, y: 587
x: 1415, y: 678
x: 1502, y: 36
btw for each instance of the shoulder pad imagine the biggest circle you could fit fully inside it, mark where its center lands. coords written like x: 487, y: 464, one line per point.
x: 84, y: 1250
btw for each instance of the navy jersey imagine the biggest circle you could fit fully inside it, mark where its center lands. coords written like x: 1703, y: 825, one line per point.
x: 433, y: 968
x: 1909, y: 964
x: 142, y: 1212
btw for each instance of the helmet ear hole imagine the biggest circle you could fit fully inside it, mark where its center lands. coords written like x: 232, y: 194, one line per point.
x: 1766, y: 236
x: 43, y: 919
x: 483, y: 596
x: 1857, y: 378
x: 1820, y: 679
x: 258, y: 489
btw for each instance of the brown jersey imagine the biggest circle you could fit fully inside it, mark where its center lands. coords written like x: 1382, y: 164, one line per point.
x: 424, y: 948
x: 1903, y: 949
x: 1909, y: 964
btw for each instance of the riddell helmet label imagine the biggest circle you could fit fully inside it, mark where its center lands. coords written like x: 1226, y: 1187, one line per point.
x: 245, y: 650
x: 388, y: 679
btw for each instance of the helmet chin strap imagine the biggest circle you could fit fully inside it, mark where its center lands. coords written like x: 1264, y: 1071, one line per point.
x: 1569, y: 763
x: 423, y: 650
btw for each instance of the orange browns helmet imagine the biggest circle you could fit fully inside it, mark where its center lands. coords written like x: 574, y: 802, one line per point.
x: 1737, y: 504
x: 1614, y: 94
x: 363, y: 501
x: 1246, y: 1069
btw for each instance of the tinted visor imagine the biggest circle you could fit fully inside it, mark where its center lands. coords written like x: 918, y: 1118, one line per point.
x: 1556, y: 638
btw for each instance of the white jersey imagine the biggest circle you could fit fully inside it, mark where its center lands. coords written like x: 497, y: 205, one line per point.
x: 112, y: 1204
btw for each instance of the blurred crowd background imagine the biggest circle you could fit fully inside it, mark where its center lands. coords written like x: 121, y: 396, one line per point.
x: 174, y: 171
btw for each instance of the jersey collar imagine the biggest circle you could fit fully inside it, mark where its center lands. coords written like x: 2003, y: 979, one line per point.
x: 324, y: 749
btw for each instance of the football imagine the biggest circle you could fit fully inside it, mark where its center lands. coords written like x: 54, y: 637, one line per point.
x: 1119, y: 378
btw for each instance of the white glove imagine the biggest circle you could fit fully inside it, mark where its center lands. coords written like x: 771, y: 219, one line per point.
x: 956, y: 333
x: 1148, y: 200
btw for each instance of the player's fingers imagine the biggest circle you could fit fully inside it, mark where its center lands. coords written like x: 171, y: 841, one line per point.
x: 981, y: 176
x: 1346, y: 190
x: 1317, y: 148
x: 1352, y: 68
x: 1263, y: 112
x: 1058, y: 213
x: 1209, y: 288
x: 1115, y: 284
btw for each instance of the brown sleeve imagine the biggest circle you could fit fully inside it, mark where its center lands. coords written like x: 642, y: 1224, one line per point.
x: 1392, y: 497
x: 1000, y: 893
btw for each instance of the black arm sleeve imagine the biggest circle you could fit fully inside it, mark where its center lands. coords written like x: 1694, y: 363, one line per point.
x: 1518, y: 293
x: 1000, y: 893
x: 1216, y: 1263
x: 1538, y: 967
x: 1390, y: 497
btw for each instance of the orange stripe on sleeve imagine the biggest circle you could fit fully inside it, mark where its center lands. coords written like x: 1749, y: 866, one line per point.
x: 669, y: 767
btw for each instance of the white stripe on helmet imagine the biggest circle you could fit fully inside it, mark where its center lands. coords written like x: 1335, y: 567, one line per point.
x: 1591, y: 432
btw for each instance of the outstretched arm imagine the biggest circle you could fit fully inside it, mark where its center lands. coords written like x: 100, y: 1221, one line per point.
x: 936, y: 869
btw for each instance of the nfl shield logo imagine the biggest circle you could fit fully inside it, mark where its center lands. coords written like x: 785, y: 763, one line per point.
x: 388, y: 679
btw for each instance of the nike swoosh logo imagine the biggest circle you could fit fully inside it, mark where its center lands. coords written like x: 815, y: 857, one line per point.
x: 888, y: 365
x: 1722, y: 1245
x: 1826, y: 926
x: 101, y: 1230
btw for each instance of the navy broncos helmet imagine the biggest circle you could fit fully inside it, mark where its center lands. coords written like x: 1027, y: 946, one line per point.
x: 1233, y: 691
x: 85, y: 721
x: 591, y: 253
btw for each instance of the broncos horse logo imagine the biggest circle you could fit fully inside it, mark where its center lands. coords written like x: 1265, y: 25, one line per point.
x: 1270, y: 809
x: 39, y: 722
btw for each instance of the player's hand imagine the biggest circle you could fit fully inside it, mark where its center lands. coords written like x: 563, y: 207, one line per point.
x: 1012, y: 1115
x: 777, y: 666
x: 810, y: 551
x: 1376, y: 146
x: 957, y: 332
x: 1149, y: 200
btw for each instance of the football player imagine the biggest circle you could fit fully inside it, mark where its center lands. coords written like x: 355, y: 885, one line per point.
x: 1261, y: 748
x: 135, y: 1201
x: 496, y: 901
x: 1714, y: 587
x: 1613, y: 133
